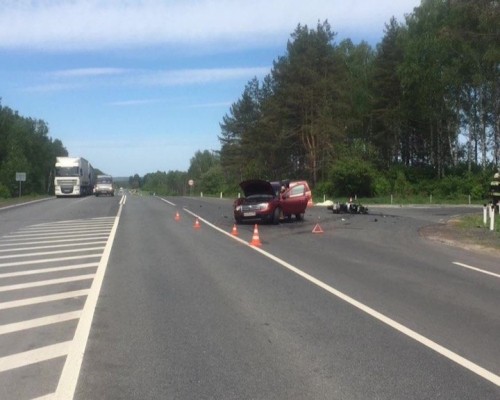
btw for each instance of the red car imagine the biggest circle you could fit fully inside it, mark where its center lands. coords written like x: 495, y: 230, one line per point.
x: 270, y: 201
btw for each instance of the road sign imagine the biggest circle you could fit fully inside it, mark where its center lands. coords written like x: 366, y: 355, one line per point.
x: 20, y: 177
x: 190, y: 182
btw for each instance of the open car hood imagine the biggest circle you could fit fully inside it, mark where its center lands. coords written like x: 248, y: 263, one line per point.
x: 257, y: 186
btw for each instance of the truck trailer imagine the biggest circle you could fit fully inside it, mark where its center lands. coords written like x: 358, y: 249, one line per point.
x: 74, y: 176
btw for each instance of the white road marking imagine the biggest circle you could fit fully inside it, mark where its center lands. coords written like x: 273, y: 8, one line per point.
x: 62, y: 234
x: 43, y: 299
x: 82, y: 236
x: 47, y: 270
x: 68, y: 223
x: 25, y: 204
x: 168, y: 202
x: 13, y: 244
x: 34, y: 356
x: 36, y: 322
x: 49, y: 260
x: 477, y: 269
x: 46, y: 253
x: 51, y: 246
x: 46, y: 283
x: 477, y: 369
x: 69, y: 227
x: 69, y: 376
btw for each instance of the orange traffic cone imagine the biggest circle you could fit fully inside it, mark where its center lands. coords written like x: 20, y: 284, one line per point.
x: 255, y: 238
x: 197, y: 224
x: 177, y: 216
x: 234, y: 232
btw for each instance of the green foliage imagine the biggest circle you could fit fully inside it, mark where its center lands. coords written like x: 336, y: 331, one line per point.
x: 212, y: 181
x: 26, y: 147
x: 381, y: 185
x: 352, y: 177
x: 4, y: 192
x: 415, y: 117
x: 324, y: 189
x: 173, y: 183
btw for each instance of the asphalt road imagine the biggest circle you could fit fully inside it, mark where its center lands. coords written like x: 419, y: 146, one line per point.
x: 367, y: 309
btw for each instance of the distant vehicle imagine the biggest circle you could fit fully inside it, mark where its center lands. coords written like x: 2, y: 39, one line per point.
x: 104, y: 185
x: 270, y: 201
x: 74, y: 176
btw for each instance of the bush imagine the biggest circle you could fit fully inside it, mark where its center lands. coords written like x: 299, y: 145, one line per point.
x: 351, y: 176
x: 381, y: 186
x: 4, y: 192
x: 323, y: 189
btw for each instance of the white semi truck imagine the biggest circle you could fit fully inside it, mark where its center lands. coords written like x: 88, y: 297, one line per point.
x: 74, y: 176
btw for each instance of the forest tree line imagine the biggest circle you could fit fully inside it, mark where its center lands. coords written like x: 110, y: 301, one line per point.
x: 26, y: 147
x: 419, y: 114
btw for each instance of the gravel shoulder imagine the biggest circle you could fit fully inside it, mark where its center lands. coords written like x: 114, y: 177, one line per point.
x: 452, y: 234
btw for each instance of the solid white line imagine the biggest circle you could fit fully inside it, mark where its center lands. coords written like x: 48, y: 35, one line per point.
x: 24, y: 204
x: 34, y: 356
x: 69, y: 376
x: 43, y: 299
x: 51, y: 246
x: 47, y: 270
x: 484, y: 373
x: 477, y: 269
x: 166, y: 201
x: 47, y: 260
x: 37, y: 322
x: 46, y: 283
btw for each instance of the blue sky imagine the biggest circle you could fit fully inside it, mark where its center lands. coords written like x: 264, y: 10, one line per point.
x: 140, y: 86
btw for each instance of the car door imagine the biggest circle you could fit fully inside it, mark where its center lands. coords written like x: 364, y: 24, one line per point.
x: 293, y: 200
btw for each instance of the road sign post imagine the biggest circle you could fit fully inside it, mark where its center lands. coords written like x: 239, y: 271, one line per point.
x: 191, y: 184
x: 20, y: 177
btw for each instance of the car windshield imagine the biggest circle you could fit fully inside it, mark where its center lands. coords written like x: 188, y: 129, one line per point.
x: 104, y: 180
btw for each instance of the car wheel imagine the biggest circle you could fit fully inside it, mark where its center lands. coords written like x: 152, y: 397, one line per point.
x: 299, y: 216
x: 276, y: 216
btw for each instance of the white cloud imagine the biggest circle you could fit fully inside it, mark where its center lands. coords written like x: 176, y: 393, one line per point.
x: 87, y: 72
x: 72, y: 79
x: 53, y: 87
x: 197, y: 76
x: 74, y: 25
